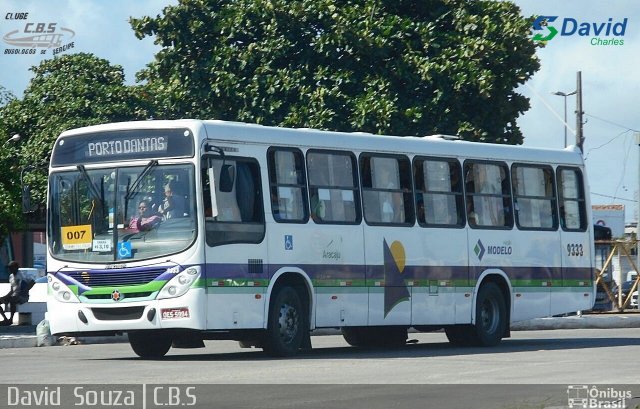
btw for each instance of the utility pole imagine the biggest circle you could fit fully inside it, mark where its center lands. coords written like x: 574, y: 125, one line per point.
x: 638, y: 215
x: 579, y: 122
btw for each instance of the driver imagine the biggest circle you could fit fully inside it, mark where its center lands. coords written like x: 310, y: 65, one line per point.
x: 145, y: 220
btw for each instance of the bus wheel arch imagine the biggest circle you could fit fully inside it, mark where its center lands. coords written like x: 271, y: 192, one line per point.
x: 288, y: 315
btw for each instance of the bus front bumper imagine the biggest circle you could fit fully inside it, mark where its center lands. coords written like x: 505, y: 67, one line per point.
x: 184, y: 312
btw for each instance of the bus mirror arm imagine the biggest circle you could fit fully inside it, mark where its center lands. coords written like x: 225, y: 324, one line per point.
x: 227, y: 172
x: 212, y: 191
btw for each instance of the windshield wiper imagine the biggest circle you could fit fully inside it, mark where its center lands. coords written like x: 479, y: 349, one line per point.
x: 92, y: 187
x: 132, y: 188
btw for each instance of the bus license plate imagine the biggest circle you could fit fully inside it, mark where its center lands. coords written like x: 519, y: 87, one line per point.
x: 174, y: 313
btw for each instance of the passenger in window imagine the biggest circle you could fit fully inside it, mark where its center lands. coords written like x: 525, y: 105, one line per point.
x: 390, y: 201
x: 173, y: 204
x: 318, y: 210
x: 318, y: 206
x: 146, y: 219
x: 472, y: 217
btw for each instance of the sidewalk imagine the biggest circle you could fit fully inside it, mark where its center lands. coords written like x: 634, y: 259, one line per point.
x: 24, y: 336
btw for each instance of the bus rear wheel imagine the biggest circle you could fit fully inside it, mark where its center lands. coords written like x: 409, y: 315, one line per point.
x: 287, y: 323
x: 491, y: 315
x: 490, y: 324
x: 150, y: 344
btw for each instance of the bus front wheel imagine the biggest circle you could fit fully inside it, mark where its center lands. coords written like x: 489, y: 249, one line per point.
x: 150, y: 344
x: 287, y: 323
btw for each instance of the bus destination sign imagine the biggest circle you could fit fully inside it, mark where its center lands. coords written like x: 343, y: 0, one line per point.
x: 127, y: 146
x: 123, y: 145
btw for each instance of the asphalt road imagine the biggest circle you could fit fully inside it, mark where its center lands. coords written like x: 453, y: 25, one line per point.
x: 426, y: 374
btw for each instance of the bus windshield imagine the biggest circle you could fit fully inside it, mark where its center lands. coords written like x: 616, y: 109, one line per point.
x: 120, y: 214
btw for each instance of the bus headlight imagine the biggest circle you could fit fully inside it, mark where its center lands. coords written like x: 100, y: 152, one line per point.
x: 61, y: 292
x: 179, y: 284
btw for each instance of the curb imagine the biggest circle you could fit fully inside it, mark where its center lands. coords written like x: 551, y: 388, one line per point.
x: 578, y: 322
x: 18, y: 341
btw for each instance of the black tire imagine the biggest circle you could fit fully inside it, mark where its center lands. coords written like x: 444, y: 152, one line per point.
x: 460, y: 335
x: 287, y: 323
x: 353, y: 336
x: 491, y: 315
x: 150, y: 344
x: 490, y: 324
x: 375, y: 337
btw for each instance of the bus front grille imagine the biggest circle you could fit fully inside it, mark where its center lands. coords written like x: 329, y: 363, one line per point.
x: 114, y: 278
x: 126, y: 295
x: 120, y: 313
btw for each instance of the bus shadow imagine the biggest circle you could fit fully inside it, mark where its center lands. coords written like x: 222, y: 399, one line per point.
x: 417, y: 350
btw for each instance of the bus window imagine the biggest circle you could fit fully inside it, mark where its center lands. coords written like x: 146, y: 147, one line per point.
x: 438, y: 187
x: 573, y: 216
x: 240, y: 216
x: 333, y: 187
x: 287, y: 184
x: 488, y: 194
x: 534, y: 197
x: 386, y: 189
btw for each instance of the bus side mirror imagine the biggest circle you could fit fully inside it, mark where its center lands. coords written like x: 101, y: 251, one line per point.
x: 26, y: 199
x: 227, y: 177
x: 27, y: 207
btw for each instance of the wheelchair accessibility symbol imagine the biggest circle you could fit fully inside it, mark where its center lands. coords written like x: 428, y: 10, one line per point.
x: 288, y: 242
x: 124, y: 249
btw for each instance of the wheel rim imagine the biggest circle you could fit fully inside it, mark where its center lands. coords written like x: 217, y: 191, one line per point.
x: 288, y: 322
x: 489, y: 314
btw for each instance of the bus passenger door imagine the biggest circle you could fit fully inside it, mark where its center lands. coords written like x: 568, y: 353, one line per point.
x: 235, y: 248
x: 577, y: 270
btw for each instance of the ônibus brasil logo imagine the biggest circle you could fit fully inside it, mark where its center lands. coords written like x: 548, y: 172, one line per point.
x: 608, y: 32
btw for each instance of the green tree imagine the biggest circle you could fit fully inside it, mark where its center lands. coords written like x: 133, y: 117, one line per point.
x: 384, y: 66
x: 9, y: 189
x: 65, y: 92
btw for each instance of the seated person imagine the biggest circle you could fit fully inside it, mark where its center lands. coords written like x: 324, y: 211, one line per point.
x: 173, y: 205
x: 18, y: 294
x: 145, y: 220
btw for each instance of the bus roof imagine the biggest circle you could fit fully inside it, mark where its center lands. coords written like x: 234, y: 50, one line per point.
x: 430, y: 145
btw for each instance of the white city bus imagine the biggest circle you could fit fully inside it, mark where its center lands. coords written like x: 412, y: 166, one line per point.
x: 277, y: 232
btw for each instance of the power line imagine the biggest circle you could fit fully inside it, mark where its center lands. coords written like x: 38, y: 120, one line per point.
x: 614, y: 197
x: 606, y: 143
x: 612, y: 123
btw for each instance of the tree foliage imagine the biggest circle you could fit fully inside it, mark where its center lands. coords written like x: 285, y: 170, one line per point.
x: 66, y: 92
x: 384, y: 66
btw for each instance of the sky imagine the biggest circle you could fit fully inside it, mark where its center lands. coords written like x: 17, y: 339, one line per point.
x: 610, y: 84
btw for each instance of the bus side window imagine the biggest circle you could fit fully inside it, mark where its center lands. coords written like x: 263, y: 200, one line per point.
x: 573, y: 215
x: 240, y: 212
x: 387, y: 189
x: 534, y: 196
x: 488, y: 194
x: 438, y: 190
x: 333, y: 187
x: 287, y: 185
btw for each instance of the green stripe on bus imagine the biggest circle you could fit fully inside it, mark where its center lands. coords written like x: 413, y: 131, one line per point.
x: 142, y: 288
